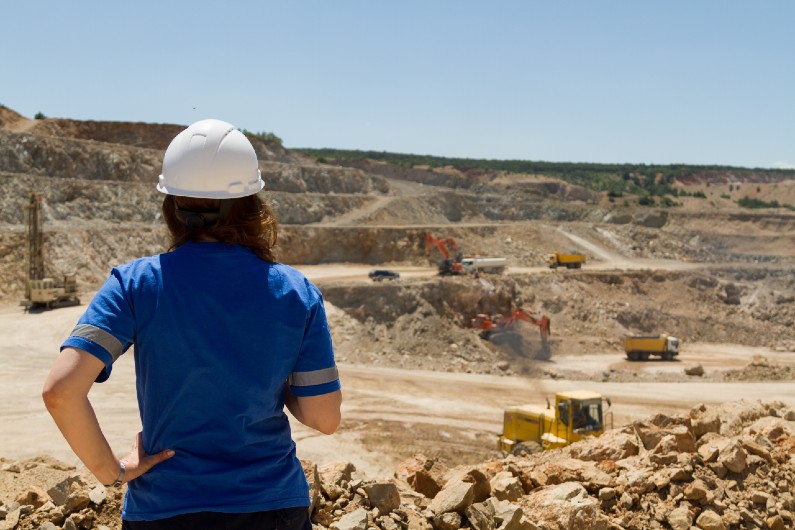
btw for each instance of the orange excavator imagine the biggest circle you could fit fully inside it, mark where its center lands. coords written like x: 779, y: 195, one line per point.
x: 451, y: 264
x: 491, y: 327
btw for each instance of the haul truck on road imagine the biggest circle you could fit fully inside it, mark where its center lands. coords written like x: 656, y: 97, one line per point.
x: 454, y: 262
x: 640, y: 348
x: 577, y: 414
x: 477, y: 264
x: 570, y: 260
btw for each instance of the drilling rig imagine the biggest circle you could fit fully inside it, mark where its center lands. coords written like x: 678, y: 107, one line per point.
x: 42, y: 292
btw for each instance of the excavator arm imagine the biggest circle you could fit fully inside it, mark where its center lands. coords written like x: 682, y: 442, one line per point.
x: 431, y: 242
x: 445, y: 246
x: 449, y: 265
x: 542, y: 322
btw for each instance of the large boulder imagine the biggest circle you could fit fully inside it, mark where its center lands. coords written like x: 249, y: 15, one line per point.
x: 383, y: 496
x: 703, y: 420
x: 476, y: 477
x: 565, y: 470
x: 652, y: 432
x: 422, y: 474
x: 506, y: 487
x: 564, y: 506
x: 456, y: 496
x: 355, y: 520
x: 612, y: 445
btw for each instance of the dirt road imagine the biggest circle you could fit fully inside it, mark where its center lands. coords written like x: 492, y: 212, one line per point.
x: 712, y: 357
x: 389, y: 414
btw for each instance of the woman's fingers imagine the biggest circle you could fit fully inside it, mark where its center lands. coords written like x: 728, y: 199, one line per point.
x: 153, y: 460
x: 138, y: 462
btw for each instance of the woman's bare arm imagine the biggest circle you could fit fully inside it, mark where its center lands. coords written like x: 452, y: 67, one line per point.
x: 65, y: 395
x: 321, y: 413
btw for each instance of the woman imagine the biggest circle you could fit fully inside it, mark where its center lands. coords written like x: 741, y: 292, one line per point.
x: 224, y: 339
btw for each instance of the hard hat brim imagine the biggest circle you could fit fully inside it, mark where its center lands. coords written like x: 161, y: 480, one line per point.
x: 244, y: 191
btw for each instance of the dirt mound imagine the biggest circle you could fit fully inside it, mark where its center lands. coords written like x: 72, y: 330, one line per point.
x: 9, y: 118
x: 394, y: 324
x: 761, y: 369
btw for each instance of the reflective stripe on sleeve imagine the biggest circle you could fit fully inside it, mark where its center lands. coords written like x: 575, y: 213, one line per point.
x: 315, y: 377
x: 100, y: 337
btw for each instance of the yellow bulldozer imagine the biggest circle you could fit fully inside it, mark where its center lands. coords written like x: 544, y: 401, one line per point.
x: 577, y: 414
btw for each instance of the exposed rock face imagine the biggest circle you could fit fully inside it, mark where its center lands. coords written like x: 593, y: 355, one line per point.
x: 97, y: 183
x: 143, y: 135
x: 101, y: 209
x: 292, y: 178
x: 717, y: 467
x: 64, y: 158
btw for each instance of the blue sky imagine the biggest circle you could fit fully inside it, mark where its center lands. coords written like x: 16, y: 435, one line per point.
x: 701, y: 82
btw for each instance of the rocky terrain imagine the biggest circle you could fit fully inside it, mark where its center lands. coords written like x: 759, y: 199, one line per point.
x: 590, y: 314
x: 100, y: 208
x: 704, y: 270
x: 713, y: 468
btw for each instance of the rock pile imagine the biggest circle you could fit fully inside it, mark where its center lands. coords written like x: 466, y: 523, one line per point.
x: 730, y: 467
x: 727, y: 468
x: 55, y: 496
x: 761, y: 369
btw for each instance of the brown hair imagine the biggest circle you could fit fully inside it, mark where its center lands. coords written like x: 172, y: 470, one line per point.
x: 250, y: 223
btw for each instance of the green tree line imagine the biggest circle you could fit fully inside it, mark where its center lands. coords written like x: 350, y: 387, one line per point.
x: 640, y: 179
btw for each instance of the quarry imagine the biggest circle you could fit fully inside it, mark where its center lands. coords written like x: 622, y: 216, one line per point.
x: 703, y: 440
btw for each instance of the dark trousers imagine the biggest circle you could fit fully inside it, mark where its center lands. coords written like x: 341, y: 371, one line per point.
x: 283, y: 519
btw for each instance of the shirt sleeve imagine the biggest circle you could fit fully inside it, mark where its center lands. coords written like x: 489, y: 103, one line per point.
x: 315, y: 373
x: 107, y: 329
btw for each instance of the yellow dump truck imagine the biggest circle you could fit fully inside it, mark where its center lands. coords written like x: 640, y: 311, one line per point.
x: 570, y: 260
x: 640, y: 348
x: 577, y: 414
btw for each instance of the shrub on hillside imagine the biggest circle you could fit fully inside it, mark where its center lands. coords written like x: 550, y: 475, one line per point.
x: 748, y: 202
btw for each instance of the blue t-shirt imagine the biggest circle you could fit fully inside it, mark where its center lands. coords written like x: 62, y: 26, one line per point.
x: 217, y: 332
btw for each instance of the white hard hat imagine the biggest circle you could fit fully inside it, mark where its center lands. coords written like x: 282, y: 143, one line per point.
x: 210, y: 159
